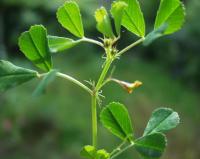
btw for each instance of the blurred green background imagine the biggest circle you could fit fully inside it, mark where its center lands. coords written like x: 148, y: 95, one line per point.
x: 57, y: 124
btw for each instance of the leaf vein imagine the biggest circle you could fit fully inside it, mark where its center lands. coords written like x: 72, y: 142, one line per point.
x: 133, y: 23
x: 38, y: 52
x: 72, y: 21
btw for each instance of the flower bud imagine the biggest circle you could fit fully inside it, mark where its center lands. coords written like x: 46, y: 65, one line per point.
x: 129, y: 87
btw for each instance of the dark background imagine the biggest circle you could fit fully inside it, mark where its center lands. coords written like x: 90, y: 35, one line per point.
x: 57, y: 124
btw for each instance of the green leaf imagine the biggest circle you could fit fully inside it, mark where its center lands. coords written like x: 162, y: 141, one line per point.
x: 57, y: 44
x: 34, y: 44
x: 88, y: 152
x: 171, y: 12
x: 91, y: 153
x: 11, y: 75
x: 48, y: 78
x: 116, y: 119
x: 69, y: 17
x: 155, y: 34
x: 151, y: 146
x: 133, y: 19
x: 103, y: 22
x: 102, y: 154
x: 162, y: 119
x: 117, y: 11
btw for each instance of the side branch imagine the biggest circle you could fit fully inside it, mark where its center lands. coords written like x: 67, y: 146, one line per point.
x: 84, y: 39
x: 131, y: 46
x: 73, y: 80
x: 122, y: 150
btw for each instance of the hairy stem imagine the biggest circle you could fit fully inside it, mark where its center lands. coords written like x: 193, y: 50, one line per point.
x: 94, y: 100
x: 130, y: 46
x: 100, y: 83
x: 73, y: 80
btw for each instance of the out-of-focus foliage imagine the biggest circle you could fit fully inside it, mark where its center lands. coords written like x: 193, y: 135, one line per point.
x: 34, y: 4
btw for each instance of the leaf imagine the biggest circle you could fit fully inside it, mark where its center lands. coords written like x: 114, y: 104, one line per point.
x: 102, y: 154
x: 117, y: 11
x: 162, y: 119
x: 34, y: 45
x: 171, y: 12
x: 57, y: 44
x: 133, y: 19
x: 48, y: 78
x: 155, y: 34
x: 69, y: 17
x: 116, y: 119
x: 11, y: 75
x: 91, y: 153
x: 88, y: 152
x: 103, y: 22
x: 151, y: 146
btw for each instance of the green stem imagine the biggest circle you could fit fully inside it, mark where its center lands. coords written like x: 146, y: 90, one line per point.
x: 118, y: 148
x: 73, y: 80
x: 122, y: 150
x: 100, y: 83
x: 91, y: 41
x: 104, y: 73
x: 131, y: 46
x: 94, y: 100
x: 106, y: 81
x: 94, y: 121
